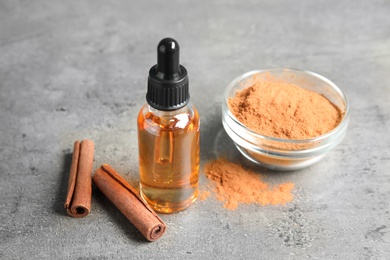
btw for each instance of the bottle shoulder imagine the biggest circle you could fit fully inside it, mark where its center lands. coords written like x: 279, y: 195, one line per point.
x: 182, y: 118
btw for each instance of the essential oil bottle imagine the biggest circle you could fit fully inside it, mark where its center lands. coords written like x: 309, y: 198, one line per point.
x: 168, y: 135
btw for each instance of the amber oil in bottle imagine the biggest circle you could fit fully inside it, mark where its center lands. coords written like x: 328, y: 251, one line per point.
x: 168, y: 135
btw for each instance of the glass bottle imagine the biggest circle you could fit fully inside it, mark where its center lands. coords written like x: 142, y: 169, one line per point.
x: 168, y: 135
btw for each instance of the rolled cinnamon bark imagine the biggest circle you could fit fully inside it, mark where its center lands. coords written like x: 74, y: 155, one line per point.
x: 78, y: 199
x: 127, y: 200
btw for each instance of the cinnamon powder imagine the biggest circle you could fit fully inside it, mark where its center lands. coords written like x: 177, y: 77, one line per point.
x: 280, y: 109
x: 234, y: 185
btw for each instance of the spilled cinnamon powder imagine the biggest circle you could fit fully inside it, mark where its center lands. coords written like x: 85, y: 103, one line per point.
x: 280, y: 109
x: 234, y: 185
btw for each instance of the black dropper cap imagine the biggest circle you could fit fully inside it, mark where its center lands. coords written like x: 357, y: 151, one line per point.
x: 168, y: 80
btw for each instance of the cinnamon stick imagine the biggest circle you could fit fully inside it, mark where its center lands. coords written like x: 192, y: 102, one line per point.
x: 78, y: 199
x: 127, y: 200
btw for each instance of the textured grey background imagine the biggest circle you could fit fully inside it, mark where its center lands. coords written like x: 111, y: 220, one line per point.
x: 78, y: 69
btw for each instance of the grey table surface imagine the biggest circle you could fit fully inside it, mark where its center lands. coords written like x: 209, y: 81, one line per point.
x: 78, y: 69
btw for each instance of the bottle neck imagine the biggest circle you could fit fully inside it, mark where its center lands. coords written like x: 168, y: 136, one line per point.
x: 164, y: 113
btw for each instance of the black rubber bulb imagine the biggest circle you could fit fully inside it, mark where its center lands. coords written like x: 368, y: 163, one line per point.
x: 168, y: 59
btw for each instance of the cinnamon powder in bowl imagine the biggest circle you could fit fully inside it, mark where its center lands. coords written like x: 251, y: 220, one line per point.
x: 284, y: 119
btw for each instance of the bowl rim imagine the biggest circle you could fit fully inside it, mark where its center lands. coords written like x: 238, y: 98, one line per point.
x: 335, y: 130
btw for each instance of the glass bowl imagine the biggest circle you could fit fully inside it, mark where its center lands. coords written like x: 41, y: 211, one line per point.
x: 284, y: 154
